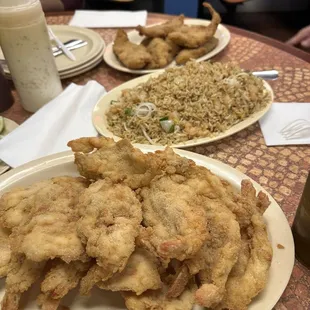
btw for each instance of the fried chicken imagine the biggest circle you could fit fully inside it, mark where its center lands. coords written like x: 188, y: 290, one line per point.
x: 161, y: 52
x: 49, y: 231
x: 131, y: 55
x: 162, y: 30
x: 186, y: 55
x: 158, y: 300
x: 16, y: 204
x: 139, y: 275
x: 59, y: 280
x: 221, y: 251
x: 242, y: 287
x: 219, y: 255
x: 5, y: 251
x: 174, y: 218
x: 196, y: 36
x: 99, y: 158
x: 22, y: 273
x: 110, y: 219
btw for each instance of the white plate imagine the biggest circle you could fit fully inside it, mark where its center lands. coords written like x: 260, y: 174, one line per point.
x: 222, y: 34
x: 278, y: 228
x: 82, y: 69
x: 84, y: 55
x: 8, y: 127
x: 104, y: 104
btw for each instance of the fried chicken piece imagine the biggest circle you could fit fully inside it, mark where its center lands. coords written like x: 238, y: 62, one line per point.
x: 246, y: 203
x: 16, y: 204
x: 139, y: 275
x: 219, y: 255
x: 161, y: 53
x: 242, y: 287
x: 162, y: 30
x: 186, y: 55
x: 50, y: 229
x: 22, y: 273
x: 110, y: 218
x: 158, y: 300
x: 5, y: 251
x: 178, y: 282
x: 131, y: 55
x: 99, y: 158
x: 174, y: 218
x: 175, y: 49
x: 59, y: 280
x: 196, y: 36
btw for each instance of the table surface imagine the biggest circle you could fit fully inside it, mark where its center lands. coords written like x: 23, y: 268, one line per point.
x: 282, y: 171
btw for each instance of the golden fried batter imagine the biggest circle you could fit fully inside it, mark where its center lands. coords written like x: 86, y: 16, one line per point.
x: 132, y: 56
x: 139, y: 275
x: 161, y: 53
x: 174, y: 218
x: 59, y: 280
x: 49, y: 231
x: 110, y: 219
x: 161, y: 31
x: 22, y: 273
x: 251, y: 274
x: 5, y: 251
x: 99, y: 158
x: 186, y: 55
x: 196, y: 36
x: 158, y: 300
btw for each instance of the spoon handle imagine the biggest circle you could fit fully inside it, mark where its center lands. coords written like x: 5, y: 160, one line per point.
x: 267, y: 75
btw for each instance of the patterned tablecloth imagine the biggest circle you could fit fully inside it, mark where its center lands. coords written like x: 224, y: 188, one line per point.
x: 282, y: 171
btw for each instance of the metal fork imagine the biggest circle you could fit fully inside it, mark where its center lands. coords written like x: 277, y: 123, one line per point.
x: 297, y: 129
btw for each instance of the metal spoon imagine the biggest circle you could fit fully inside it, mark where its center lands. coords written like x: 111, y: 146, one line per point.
x: 267, y: 75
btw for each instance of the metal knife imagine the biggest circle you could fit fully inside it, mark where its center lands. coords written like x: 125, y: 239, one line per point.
x: 70, y: 48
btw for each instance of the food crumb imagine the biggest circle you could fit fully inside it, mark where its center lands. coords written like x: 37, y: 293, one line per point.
x: 280, y: 246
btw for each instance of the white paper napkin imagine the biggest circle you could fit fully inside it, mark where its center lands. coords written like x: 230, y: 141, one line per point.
x: 48, y: 131
x: 108, y: 19
x: 287, y: 123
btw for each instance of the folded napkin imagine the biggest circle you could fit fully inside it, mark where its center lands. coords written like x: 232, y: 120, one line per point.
x: 287, y: 123
x: 48, y: 131
x: 108, y: 19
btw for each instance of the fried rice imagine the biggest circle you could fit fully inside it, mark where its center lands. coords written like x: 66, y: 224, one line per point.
x: 195, y: 101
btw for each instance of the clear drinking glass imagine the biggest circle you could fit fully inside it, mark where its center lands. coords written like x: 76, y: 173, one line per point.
x: 26, y: 46
x: 301, y: 227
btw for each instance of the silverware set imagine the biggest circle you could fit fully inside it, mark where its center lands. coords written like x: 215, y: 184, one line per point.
x: 70, y: 45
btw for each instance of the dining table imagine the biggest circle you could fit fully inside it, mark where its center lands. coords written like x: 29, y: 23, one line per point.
x: 281, y: 170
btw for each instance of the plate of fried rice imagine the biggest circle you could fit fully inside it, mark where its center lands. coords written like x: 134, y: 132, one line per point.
x: 183, y: 106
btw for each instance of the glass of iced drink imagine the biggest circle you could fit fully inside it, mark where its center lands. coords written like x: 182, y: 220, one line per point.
x: 26, y: 46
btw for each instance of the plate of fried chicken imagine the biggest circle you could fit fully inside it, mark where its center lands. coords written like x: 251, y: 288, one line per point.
x: 175, y: 42
x: 114, y: 227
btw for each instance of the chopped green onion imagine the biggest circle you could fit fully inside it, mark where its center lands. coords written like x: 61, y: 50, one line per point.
x: 129, y: 112
x: 171, y: 129
x: 113, y: 101
x: 164, y: 118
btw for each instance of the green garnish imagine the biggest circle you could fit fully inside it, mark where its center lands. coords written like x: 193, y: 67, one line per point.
x: 164, y: 119
x: 113, y: 101
x: 129, y: 111
x: 171, y: 129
